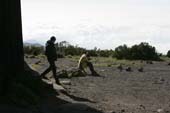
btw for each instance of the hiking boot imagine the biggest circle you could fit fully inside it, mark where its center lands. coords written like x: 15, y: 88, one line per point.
x: 57, y: 82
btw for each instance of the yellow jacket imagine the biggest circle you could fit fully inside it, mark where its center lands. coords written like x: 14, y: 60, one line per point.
x: 83, y: 61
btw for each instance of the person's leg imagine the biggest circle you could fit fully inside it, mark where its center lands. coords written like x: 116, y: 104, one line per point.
x: 82, y: 69
x: 53, y: 67
x: 93, y: 72
x: 46, y: 71
x: 90, y: 65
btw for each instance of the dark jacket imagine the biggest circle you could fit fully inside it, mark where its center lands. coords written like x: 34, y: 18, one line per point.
x: 50, y: 51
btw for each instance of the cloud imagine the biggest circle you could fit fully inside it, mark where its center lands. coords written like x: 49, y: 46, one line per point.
x: 102, y: 23
x: 106, y: 37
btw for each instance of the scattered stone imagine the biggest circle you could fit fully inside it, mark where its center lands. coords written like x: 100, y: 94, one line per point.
x: 65, y: 82
x: 140, y: 69
x: 161, y: 79
x: 167, y: 112
x: 120, y: 67
x: 26, y: 56
x: 70, y: 73
x: 32, y: 56
x: 76, y: 73
x: 102, y: 70
x: 58, y: 87
x: 122, y: 111
x: 63, y: 74
x: 142, y: 106
x: 38, y: 62
x: 160, y: 110
x: 128, y: 69
x: 149, y: 62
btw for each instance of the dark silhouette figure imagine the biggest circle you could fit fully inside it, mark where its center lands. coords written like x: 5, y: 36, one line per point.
x: 12, y: 57
x: 50, y: 52
x: 84, y: 62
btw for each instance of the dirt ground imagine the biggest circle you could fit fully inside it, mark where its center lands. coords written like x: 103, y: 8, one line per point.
x: 114, y: 91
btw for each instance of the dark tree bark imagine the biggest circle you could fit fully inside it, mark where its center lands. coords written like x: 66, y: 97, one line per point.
x: 11, y: 49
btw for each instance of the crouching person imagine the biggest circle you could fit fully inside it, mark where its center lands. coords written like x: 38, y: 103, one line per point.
x: 84, y: 62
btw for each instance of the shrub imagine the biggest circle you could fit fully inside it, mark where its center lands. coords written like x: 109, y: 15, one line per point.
x: 143, y: 51
x: 33, y: 50
x: 168, y: 54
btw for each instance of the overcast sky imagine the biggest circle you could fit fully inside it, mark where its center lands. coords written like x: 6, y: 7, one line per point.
x: 105, y: 24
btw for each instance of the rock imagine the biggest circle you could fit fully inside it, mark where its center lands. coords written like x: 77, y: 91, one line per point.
x: 32, y: 56
x: 58, y: 87
x: 168, y: 64
x: 65, y: 82
x: 128, y: 69
x: 122, y: 111
x: 73, y: 72
x: 38, y: 62
x: 142, y: 106
x: 161, y: 79
x: 77, y: 73
x: 120, y: 67
x: 149, y: 62
x: 167, y: 111
x: 160, y: 110
x: 63, y: 74
x: 26, y: 56
x: 140, y: 69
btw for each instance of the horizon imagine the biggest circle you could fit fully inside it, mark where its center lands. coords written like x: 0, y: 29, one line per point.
x: 105, y: 24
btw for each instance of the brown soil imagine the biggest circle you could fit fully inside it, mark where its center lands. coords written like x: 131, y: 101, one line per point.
x: 114, y: 91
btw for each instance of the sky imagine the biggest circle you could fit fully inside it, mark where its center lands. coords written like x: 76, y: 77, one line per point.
x: 105, y: 24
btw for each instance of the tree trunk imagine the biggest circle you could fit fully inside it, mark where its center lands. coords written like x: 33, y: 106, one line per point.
x: 11, y: 57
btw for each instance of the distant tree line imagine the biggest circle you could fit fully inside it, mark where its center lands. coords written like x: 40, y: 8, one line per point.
x: 33, y: 50
x: 64, y: 48
x: 142, y: 51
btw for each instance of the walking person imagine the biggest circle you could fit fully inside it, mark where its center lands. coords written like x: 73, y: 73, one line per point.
x: 51, y: 54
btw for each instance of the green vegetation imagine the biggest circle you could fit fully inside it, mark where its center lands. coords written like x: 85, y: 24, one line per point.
x: 33, y: 50
x: 168, y: 54
x: 64, y: 48
x: 165, y: 58
x: 110, y: 61
x: 143, y: 51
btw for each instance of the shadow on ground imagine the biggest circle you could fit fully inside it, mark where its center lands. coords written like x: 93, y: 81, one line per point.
x: 45, y: 98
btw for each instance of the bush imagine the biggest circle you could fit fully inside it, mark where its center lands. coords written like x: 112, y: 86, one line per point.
x: 143, y: 51
x: 168, y: 54
x: 33, y: 50
x: 105, y: 53
x: 122, y: 52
